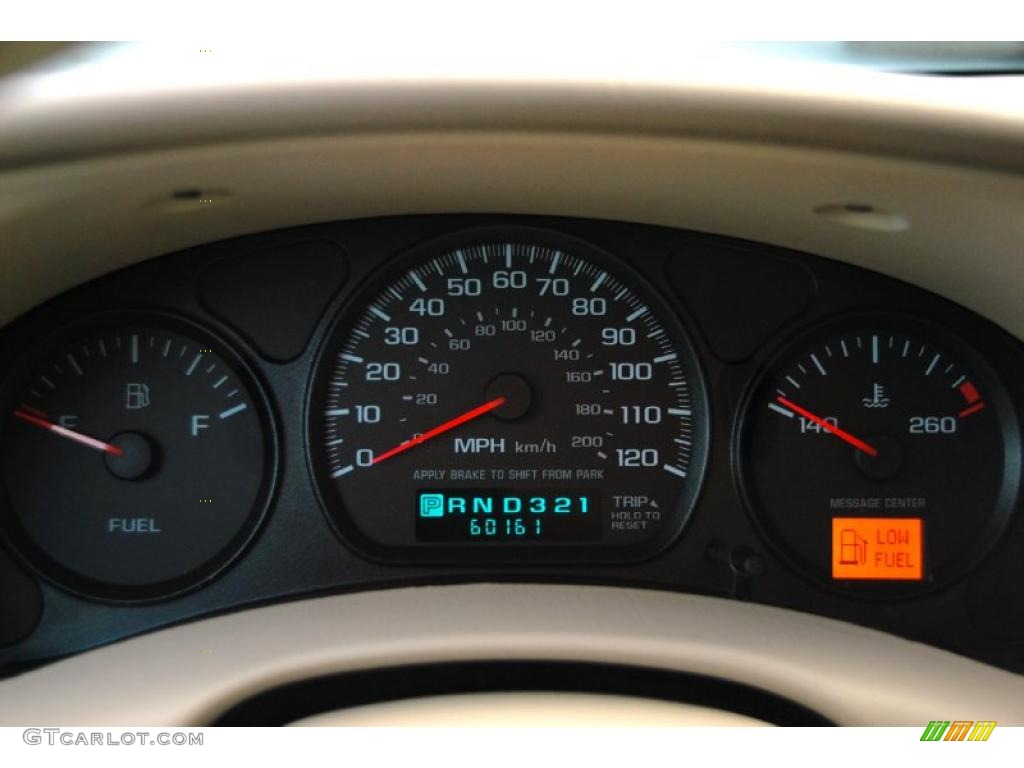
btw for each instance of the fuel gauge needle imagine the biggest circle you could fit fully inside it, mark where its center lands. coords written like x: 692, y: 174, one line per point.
x: 78, y: 437
x: 842, y: 434
x: 469, y: 415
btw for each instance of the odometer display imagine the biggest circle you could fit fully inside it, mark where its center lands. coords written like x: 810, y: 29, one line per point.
x: 510, y: 516
x: 519, y: 396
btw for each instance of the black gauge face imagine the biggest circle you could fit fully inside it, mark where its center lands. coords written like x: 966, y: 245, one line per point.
x: 502, y: 398
x: 880, y: 456
x: 136, y: 458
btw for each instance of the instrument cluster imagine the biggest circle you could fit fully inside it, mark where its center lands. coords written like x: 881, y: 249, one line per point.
x: 453, y: 398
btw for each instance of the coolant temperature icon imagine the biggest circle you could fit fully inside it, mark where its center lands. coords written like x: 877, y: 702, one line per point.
x: 878, y: 397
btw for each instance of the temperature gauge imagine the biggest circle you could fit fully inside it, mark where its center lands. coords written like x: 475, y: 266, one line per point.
x: 880, y: 453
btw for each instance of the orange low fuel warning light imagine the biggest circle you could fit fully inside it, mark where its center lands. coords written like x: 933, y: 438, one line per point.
x: 881, y: 548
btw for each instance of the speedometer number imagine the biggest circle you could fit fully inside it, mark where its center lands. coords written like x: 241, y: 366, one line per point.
x: 512, y: 394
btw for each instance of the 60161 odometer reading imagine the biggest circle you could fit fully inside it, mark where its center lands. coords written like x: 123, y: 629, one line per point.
x: 510, y: 395
x: 522, y: 515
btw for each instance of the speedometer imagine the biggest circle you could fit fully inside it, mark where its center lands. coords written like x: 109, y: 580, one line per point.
x: 508, y: 395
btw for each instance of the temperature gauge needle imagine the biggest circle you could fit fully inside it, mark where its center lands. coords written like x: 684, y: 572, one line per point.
x: 842, y: 434
x: 78, y: 437
x: 480, y: 410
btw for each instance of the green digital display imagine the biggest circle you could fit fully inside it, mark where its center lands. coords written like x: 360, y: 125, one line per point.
x: 482, y: 515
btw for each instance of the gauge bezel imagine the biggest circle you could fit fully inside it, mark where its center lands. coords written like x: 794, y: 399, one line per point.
x: 50, y: 570
x: 935, y: 577
x: 339, y: 325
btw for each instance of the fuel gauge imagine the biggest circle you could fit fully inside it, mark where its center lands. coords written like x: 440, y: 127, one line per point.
x: 137, y: 457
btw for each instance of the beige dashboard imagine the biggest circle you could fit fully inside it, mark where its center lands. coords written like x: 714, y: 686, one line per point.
x: 114, y: 156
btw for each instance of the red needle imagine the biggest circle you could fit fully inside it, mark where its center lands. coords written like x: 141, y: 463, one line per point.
x: 92, y: 442
x: 480, y: 410
x: 842, y: 434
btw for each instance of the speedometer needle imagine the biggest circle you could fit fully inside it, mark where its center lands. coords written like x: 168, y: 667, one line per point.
x: 78, y: 437
x: 480, y: 410
x: 842, y: 434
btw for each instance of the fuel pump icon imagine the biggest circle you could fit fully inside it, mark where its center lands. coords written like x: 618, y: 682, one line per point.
x: 853, y: 550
